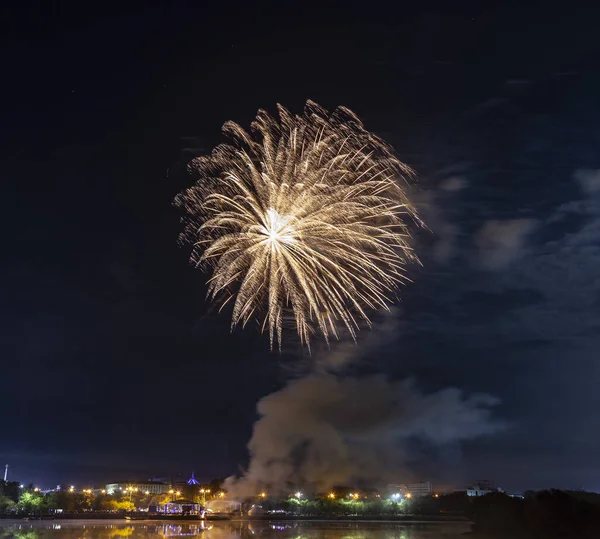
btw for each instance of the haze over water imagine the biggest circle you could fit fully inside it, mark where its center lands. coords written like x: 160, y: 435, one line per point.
x: 228, y: 529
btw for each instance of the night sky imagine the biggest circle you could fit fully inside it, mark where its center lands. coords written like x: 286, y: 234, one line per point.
x: 114, y: 365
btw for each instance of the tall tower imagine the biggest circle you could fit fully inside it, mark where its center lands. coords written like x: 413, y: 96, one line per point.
x: 193, y: 480
x: 5, y: 472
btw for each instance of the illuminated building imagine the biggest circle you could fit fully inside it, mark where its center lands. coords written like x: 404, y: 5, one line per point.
x: 415, y: 490
x: 181, y: 507
x: 481, y: 488
x: 152, y: 487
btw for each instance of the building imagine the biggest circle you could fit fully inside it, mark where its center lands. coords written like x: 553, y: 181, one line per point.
x: 482, y: 487
x: 412, y: 490
x: 181, y: 507
x: 151, y: 487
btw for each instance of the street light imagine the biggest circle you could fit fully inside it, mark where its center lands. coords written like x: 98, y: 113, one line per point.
x: 204, y: 492
x: 298, y: 494
x: 331, y: 496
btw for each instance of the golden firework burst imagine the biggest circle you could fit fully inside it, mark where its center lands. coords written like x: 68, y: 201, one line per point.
x: 307, y: 215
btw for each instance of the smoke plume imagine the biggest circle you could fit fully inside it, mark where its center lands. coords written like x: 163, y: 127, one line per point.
x: 324, y: 430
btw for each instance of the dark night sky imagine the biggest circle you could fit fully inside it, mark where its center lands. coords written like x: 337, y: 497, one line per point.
x: 113, y: 364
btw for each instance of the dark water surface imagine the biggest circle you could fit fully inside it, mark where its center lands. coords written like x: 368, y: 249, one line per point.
x: 227, y: 529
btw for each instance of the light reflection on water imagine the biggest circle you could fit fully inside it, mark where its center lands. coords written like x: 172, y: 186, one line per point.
x: 227, y: 529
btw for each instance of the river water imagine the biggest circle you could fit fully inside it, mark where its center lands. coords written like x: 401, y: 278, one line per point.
x: 227, y: 529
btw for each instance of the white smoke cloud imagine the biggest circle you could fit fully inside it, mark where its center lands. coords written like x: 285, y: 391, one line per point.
x: 324, y: 430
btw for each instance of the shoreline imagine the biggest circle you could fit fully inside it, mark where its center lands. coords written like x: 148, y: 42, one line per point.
x: 410, y: 519
x: 423, y: 519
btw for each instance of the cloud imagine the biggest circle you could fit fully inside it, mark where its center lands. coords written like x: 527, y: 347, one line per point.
x: 501, y: 242
x: 455, y: 183
x: 589, y: 180
x: 565, y: 270
x: 552, y: 295
x: 446, y: 245
x: 436, y: 208
x: 324, y: 430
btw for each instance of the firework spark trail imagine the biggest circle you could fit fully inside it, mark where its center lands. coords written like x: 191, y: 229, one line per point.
x: 306, y: 214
